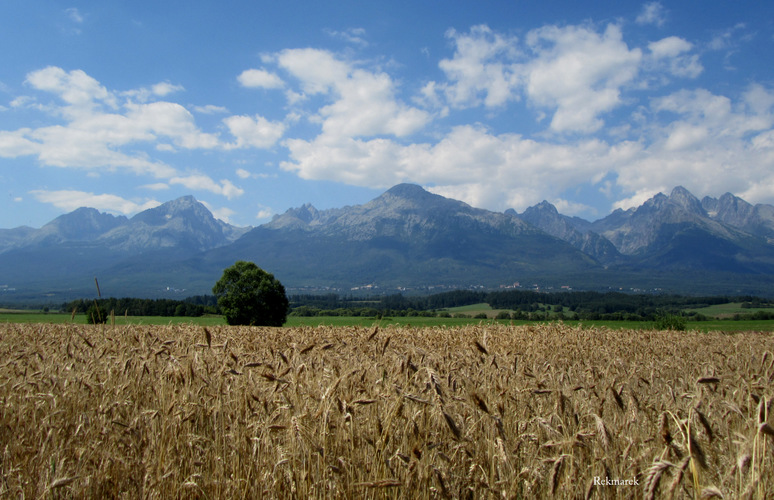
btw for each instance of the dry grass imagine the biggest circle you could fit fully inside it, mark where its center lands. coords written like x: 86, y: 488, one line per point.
x: 476, y: 412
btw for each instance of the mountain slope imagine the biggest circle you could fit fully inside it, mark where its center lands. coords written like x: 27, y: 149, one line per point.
x: 138, y: 255
x: 676, y: 232
x: 734, y: 211
x: 183, y: 224
x: 405, y: 237
x: 572, y: 230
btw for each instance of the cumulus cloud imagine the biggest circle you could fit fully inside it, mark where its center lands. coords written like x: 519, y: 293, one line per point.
x: 170, y: 120
x: 573, y: 72
x: 352, y: 35
x: 260, y: 78
x: 707, y: 143
x: 471, y: 164
x: 483, y: 66
x: 98, y: 126
x: 102, y: 130
x: 361, y: 102
x: 205, y: 183
x: 601, y: 115
x: 210, y: 109
x: 222, y: 213
x: 703, y: 141
x: 81, y: 92
x: 164, y: 88
x: 672, y: 52
x: 652, y: 13
x: 70, y: 200
x: 264, y: 212
x: 579, y: 73
x: 16, y: 143
x: 156, y: 186
x: 255, y: 131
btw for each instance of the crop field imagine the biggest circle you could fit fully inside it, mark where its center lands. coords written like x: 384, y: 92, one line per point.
x: 481, y: 411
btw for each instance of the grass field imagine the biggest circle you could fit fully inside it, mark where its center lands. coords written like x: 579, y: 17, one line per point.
x: 486, y: 411
x: 80, y: 319
x: 726, y: 325
x: 727, y: 310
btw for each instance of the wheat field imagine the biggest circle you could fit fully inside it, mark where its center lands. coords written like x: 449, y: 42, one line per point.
x: 545, y: 411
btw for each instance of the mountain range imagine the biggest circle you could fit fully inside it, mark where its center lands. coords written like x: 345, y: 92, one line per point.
x: 405, y: 239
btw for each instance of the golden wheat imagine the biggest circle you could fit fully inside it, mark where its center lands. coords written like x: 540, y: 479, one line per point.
x: 542, y: 411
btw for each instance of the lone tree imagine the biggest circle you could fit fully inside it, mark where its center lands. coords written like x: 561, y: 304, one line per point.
x: 248, y: 295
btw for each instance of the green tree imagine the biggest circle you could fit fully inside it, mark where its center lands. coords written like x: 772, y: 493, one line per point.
x: 248, y: 295
x: 95, y: 316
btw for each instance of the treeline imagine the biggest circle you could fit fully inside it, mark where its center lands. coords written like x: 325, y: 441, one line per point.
x: 191, y: 307
x: 524, y: 304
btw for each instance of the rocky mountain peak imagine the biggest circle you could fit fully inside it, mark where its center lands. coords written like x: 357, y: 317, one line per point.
x: 408, y: 191
x: 183, y: 207
x: 305, y: 212
x: 544, y: 207
x: 81, y: 224
x: 686, y: 200
x: 299, y: 217
x: 409, y: 195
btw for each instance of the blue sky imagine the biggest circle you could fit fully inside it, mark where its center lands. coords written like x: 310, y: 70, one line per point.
x: 255, y: 107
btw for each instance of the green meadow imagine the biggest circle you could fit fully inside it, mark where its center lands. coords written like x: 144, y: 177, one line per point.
x: 713, y: 324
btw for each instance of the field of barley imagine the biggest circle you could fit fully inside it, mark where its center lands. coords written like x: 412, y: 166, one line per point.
x: 488, y: 411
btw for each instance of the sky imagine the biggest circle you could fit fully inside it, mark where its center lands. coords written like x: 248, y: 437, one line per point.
x: 256, y: 107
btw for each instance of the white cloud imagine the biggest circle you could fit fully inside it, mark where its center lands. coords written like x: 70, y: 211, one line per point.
x: 364, y: 102
x: 255, y: 132
x: 171, y: 120
x: 157, y: 186
x: 145, y: 94
x: 318, y: 70
x: 482, y: 65
x: 671, y: 52
x: 70, y: 200
x: 669, y: 47
x: 496, y: 171
x: 260, y: 78
x: 74, y: 15
x: 579, y: 73
x: 96, y: 131
x: 705, y: 142
x: 164, y: 88
x: 91, y: 148
x: 264, y: 212
x: 246, y: 174
x: 205, y: 183
x: 652, y: 13
x: 222, y: 213
x: 728, y: 39
x: 574, y: 72
x: 13, y: 144
x: 102, y: 134
x: 210, y: 109
x: 81, y: 92
x: 351, y: 35
x: 640, y: 197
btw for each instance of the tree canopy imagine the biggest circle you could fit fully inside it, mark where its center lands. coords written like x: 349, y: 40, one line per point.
x: 248, y: 295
